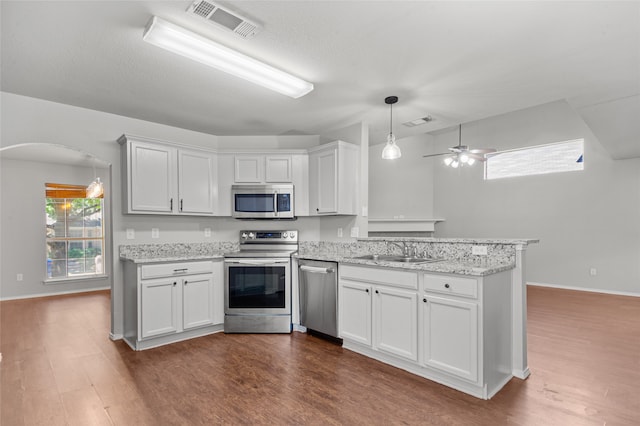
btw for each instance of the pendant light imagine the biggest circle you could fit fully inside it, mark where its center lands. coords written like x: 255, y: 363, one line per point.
x: 95, y: 189
x: 391, y: 151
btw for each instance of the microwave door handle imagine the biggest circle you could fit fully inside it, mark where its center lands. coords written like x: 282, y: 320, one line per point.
x: 275, y: 203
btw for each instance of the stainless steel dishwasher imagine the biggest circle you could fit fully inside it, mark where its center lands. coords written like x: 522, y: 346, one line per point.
x: 319, y: 296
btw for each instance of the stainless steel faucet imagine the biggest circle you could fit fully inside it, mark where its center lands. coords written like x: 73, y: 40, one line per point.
x: 406, y: 249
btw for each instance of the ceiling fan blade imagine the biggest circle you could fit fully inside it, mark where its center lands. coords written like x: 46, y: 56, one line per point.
x: 482, y: 150
x: 477, y: 157
x: 435, y: 155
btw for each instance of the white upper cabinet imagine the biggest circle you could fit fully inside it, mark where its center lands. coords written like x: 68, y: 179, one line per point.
x: 333, y: 179
x: 160, y: 178
x: 151, y: 183
x: 263, y: 169
x: 196, y: 178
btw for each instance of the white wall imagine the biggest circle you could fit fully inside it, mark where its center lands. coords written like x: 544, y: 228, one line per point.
x: 584, y: 220
x: 22, y: 220
x: 402, y: 187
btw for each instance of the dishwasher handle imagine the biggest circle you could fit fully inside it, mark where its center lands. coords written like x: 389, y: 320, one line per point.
x: 316, y: 270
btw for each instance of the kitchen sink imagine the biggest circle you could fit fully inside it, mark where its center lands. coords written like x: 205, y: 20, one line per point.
x: 396, y: 258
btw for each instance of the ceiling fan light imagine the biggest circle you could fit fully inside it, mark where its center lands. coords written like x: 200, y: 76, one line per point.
x: 455, y: 164
x: 464, y: 158
x: 448, y: 161
x: 201, y: 49
x: 471, y: 161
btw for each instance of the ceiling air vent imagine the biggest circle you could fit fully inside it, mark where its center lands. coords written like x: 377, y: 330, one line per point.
x: 225, y: 18
x: 418, y: 121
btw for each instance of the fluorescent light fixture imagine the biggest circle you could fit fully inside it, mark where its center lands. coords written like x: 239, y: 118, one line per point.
x: 201, y: 49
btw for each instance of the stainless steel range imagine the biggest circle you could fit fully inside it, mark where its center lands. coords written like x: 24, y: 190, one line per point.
x: 257, y: 296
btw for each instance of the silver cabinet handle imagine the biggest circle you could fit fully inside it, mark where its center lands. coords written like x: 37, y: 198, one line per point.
x: 180, y: 271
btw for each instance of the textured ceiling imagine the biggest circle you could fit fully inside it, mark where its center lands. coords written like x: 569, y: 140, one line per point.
x: 455, y: 61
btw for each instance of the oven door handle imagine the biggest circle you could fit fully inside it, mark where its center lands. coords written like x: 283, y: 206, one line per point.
x: 317, y: 270
x: 256, y: 262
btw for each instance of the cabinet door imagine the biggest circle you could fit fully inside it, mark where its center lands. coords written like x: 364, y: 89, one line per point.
x: 196, y: 182
x: 395, y: 317
x: 323, y: 182
x: 278, y: 169
x: 249, y: 169
x: 355, y: 312
x: 197, y: 301
x: 158, y: 307
x: 153, y: 178
x: 450, y: 332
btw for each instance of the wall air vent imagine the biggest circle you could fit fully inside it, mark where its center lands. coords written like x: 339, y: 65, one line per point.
x: 224, y: 18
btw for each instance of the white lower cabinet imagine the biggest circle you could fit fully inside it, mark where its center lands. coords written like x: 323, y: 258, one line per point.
x: 450, y: 336
x: 158, y: 307
x: 375, y: 313
x: 455, y: 330
x: 169, y: 302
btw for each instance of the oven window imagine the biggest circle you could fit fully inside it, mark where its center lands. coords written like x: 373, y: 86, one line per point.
x: 257, y: 287
x: 254, y: 203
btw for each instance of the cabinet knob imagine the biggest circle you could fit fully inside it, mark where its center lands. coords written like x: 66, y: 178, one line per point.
x: 446, y: 285
x: 377, y: 292
x: 424, y: 299
x: 174, y: 283
x: 186, y: 282
x: 367, y: 290
x: 317, y: 209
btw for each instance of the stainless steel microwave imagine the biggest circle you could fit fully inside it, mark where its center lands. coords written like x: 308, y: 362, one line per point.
x: 262, y: 201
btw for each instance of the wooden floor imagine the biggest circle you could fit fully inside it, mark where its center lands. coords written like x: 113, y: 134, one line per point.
x: 60, y: 368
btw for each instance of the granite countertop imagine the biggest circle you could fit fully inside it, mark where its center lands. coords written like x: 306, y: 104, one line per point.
x: 507, y: 241
x: 443, y: 266
x: 175, y: 252
x: 171, y: 258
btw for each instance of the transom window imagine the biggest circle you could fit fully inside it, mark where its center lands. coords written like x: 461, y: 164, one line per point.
x: 74, y: 232
x: 552, y: 158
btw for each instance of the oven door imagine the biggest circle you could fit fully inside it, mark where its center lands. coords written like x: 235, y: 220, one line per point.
x: 257, y: 286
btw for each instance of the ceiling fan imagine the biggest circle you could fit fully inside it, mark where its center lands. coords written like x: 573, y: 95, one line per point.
x: 460, y: 155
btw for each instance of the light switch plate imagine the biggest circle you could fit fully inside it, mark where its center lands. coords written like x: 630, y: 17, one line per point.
x: 131, y: 234
x: 155, y: 232
x: 355, y: 231
x: 207, y: 232
x: 339, y: 232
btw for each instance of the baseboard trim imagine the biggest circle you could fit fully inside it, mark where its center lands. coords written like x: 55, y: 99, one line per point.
x: 115, y: 337
x: 590, y: 290
x: 57, y: 293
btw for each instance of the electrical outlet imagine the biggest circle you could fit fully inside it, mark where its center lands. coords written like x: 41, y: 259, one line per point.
x: 479, y: 250
x: 155, y: 232
x: 19, y: 277
x: 131, y: 234
x: 207, y: 232
x: 593, y: 272
x: 355, y: 231
x: 339, y: 232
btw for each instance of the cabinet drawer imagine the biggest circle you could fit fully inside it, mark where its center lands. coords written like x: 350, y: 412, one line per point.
x: 389, y: 277
x: 459, y: 286
x: 175, y: 269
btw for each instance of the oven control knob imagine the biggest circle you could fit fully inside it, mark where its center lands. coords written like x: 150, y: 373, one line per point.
x: 285, y: 235
x: 251, y: 235
x: 244, y: 236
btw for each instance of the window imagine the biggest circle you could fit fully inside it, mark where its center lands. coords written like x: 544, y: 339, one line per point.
x: 74, y: 232
x: 537, y: 160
